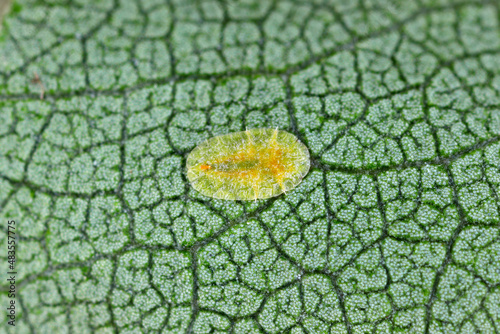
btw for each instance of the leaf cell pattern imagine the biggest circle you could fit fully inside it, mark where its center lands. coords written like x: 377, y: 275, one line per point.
x: 396, y: 228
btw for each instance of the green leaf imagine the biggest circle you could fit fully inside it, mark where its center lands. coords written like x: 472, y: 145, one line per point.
x: 396, y: 228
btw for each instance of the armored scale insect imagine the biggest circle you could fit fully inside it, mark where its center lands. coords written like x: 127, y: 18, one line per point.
x: 248, y: 165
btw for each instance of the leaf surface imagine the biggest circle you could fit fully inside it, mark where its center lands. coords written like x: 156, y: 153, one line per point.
x: 396, y: 228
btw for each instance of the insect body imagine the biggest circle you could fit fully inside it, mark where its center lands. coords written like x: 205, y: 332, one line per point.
x: 248, y: 165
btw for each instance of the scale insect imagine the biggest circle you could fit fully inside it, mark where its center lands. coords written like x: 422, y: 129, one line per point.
x: 248, y: 165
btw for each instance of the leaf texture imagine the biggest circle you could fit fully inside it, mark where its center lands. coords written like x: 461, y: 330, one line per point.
x: 396, y: 228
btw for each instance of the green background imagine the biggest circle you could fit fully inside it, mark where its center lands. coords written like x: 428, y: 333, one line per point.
x: 394, y: 230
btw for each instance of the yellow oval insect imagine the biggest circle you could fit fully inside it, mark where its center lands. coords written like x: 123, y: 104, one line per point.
x: 248, y: 165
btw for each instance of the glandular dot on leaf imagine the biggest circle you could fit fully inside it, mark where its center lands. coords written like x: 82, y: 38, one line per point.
x: 248, y: 165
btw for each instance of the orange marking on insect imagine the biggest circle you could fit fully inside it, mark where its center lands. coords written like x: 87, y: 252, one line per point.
x: 205, y: 167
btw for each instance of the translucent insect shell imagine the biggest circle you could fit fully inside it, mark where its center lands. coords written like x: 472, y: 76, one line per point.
x: 248, y: 165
